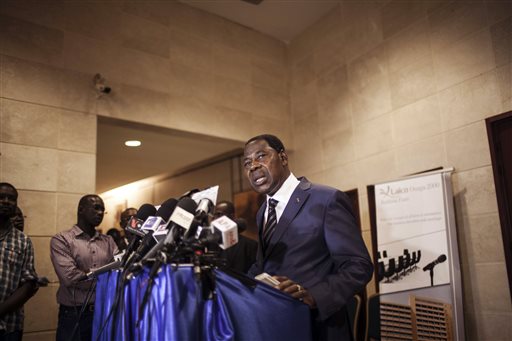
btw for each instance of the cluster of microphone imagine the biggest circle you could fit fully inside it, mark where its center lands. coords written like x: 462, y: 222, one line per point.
x: 178, y: 232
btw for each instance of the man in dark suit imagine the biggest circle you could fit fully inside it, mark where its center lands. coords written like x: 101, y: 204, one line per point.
x: 308, y: 239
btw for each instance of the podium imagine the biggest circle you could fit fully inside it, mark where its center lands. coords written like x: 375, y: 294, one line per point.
x: 178, y: 309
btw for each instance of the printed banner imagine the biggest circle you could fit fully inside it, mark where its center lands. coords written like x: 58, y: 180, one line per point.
x: 411, y: 234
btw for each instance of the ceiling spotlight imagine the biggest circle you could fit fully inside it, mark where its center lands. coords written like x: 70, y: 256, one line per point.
x: 132, y: 143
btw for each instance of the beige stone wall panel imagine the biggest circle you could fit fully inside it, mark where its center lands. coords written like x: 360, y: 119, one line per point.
x: 40, y: 210
x: 76, y: 172
x: 303, y: 73
x: 42, y: 262
x: 338, y: 149
x: 67, y: 205
x: 155, y: 11
x: 477, y: 239
x: 363, y: 20
x: 468, y: 147
x: 421, y: 155
x: 453, y: 21
x: 474, y: 191
x: 463, y: 59
x: 397, y: 16
x: 29, y: 167
x: 19, y: 120
x: 498, y: 10
x: 373, y: 136
x: 409, y: 46
x: 77, y: 132
x: 231, y: 63
x: 24, y: 39
x: 191, y: 82
x: 501, y: 35
x: 377, y: 168
x: 273, y: 76
x: 189, y: 50
x: 144, y: 35
x: 49, y: 13
x: 303, y: 101
x: 41, y: 313
x: 130, y: 103
x: 266, y: 125
x: 342, y: 177
x: 94, y: 19
x: 416, y: 121
x: 413, y: 82
x: 269, y: 104
x: 470, y: 101
x: 504, y: 79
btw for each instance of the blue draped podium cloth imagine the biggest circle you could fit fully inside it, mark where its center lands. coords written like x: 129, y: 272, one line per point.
x: 176, y: 310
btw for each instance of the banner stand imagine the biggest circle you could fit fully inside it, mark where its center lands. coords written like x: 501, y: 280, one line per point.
x: 414, y: 238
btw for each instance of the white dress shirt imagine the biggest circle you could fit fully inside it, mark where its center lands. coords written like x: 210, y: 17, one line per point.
x: 283, y: 195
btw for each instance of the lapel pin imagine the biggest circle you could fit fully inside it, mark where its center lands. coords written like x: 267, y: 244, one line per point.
x: 298, y: 199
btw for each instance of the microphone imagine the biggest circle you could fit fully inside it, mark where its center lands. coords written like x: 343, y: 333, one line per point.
x: 223, y: 232
x: 94, y: 273
x: 431, y: 265
x: 135, y: 223
x: 134, y: 226
x: 181, y: 219
x: 204, y: 207
x: 152, y: 224
x: 189, y: 194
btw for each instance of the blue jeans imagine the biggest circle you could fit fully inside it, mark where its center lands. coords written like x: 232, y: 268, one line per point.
x: 69, y: 328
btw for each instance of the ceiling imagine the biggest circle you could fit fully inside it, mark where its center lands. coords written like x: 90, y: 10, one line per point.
x: 163, y: 151
x: 167, y: 151
x: 281, y: 19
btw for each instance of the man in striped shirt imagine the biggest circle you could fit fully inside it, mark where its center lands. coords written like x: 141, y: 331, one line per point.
x: 17, y: 274
x: 74, y: 253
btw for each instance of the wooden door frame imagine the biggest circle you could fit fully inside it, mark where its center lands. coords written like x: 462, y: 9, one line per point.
x: 503, y: 198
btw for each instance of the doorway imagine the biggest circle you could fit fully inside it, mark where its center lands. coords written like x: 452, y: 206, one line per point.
x: 499, y: 132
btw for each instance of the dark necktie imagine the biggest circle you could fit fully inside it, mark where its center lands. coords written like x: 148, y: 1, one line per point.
x: 271, y: 223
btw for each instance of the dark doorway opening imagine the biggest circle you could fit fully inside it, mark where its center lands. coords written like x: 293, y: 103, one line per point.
x: 499, y: 132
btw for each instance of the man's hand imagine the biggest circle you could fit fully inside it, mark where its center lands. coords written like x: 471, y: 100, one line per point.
x: 295, y: 290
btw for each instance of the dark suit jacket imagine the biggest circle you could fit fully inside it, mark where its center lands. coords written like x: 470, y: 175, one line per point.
x: 242, y: 255
x: 317, y: 244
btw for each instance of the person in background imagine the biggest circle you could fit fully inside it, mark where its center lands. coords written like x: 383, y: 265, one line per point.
x: 126, y: 215
x: 18, y: 221
x: 308, y: 239
x: 118, y: 239
x: 242, y: 255
x: 17, y: 276
x: 73, y: 254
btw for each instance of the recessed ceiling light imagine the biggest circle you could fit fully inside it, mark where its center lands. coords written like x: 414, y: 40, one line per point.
x: 132, y: 143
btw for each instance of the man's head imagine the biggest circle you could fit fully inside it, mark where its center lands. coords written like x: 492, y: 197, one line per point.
x: 224, y: 208
x: 265, y: 163
x: 114, y: 233
x: 18, y: 221
x: 126, y: 216
x: 8, y: 200
x: 90, y: 210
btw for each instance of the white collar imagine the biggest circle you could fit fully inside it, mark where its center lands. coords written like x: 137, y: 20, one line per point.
x: 284, y: 193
